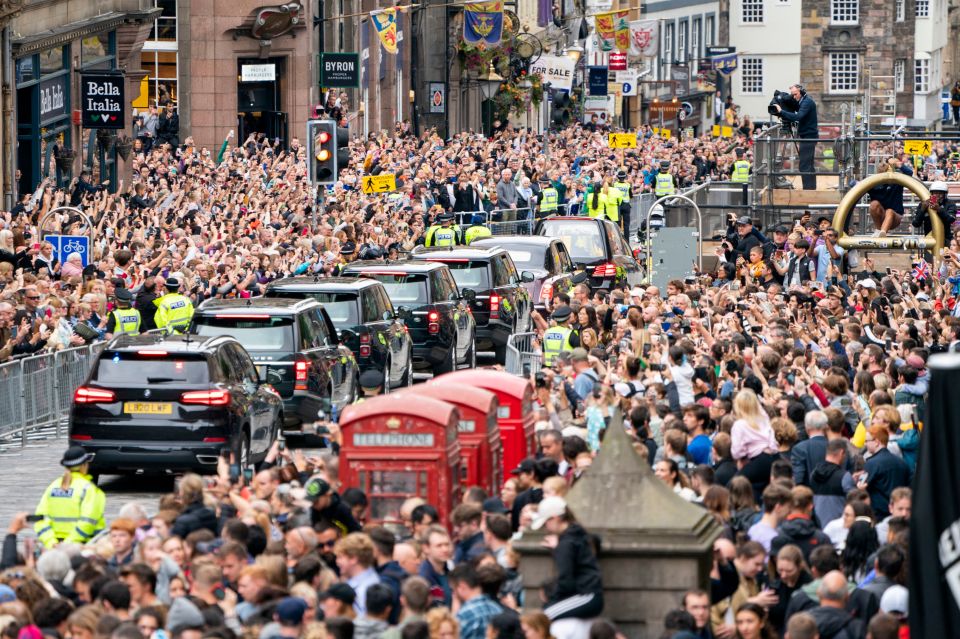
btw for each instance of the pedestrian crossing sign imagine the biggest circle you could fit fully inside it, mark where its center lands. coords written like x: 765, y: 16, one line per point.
x: 383, y: 183
x: 622, y: 140
x: 917, y: 147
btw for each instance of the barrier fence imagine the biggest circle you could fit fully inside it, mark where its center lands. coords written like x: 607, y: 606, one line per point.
x: 36, y: 392
x: 523, y: 354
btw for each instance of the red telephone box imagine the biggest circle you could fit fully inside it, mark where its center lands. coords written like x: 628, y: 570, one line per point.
x: 394, y: 449
x: 515, y: 415
x: 478, y: 431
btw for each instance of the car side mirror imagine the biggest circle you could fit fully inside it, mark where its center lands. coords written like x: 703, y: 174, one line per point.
x: 346, y: 335
x: 526, y: 277
x: 469, y: 294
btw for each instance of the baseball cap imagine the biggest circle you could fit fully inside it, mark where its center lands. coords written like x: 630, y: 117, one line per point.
x: 494, y: 505
x: 637, y: 292
x: 744, y: 219
x: 867, y: 283
x: 896, y: 601
x: 316, y: 487
x: 290, y: 611
x: 525, y: 466
x: 7, y: 594
x: 549, y: 508
x: 579, y: 355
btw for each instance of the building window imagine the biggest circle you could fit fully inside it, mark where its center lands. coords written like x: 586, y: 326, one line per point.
x: 695, y: 39
x: 668, y: 43
x: 753, y: 11
x: 844, y: 11
x: 682, y: 42
x: 708, y: 32
x: 751, y: 75
x: 901, y: 10
x: 921, y: 76
x: 899, y: 72
x: 923, y: 8
x: 159, y: 59
x: 844, y: 72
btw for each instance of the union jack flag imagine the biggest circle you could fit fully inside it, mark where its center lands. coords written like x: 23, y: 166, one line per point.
x: 921, y: 271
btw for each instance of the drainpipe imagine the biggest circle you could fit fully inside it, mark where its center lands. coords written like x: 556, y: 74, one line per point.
x: 7, y: 127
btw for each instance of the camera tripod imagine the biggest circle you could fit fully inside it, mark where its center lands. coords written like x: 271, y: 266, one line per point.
x: 780, y: 181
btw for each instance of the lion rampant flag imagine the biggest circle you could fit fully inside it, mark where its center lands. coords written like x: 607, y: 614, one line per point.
x: 483, y: 23
x: 613, y: 30
x: 385, y: 22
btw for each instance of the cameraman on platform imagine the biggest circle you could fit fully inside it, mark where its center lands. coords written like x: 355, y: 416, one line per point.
x: 806, y: 119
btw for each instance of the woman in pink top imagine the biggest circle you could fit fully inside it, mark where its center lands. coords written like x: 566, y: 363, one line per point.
x: 753, y: 443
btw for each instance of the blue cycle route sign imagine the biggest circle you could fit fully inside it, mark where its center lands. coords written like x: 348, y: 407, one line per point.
x: 64, y: 245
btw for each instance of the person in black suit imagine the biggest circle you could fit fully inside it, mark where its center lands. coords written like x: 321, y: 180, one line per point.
x: 811, y: 452
x: 469, y: 197
x: 883, y: 471
x: 806, y: 119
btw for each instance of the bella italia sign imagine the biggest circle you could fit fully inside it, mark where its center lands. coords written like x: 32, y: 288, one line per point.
x: 101, y: 101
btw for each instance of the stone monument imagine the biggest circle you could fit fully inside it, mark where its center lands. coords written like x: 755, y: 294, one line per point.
x: 654, y: 544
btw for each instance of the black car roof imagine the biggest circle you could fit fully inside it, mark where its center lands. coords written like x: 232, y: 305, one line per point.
x: 404, y: 266
x: 275, y: 305
x: 455, y: 253
x: 169, y: 343
x: 308, y: 283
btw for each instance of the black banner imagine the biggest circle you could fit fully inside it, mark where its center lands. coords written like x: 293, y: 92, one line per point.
x: 101, y: 101
x: 53, y: 98
x: 598, y: 78
x: 935, y: 518
x: 340, y: 70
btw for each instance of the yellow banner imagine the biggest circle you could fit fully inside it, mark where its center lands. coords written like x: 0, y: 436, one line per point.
x: 383, y: 183
x: 917, y: 147
x: 622, y: 140
x: 722, y: 131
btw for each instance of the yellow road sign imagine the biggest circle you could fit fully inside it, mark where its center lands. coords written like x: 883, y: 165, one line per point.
x: 622, y: 140
x: 917, y: 147
x: 664, y: 133
x: 383, y: 183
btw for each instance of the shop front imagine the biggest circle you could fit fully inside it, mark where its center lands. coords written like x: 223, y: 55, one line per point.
x: 44, y: 130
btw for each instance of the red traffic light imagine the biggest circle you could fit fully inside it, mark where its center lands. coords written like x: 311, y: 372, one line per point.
x: 323, y: 137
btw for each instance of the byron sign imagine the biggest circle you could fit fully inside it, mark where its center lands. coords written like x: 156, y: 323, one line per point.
x: 102, y: 105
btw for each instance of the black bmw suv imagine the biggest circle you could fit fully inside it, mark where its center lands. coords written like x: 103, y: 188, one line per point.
x: 155, y: 403
x: 501, y: 305
x: 295, y: 348
x: 427, y: 298
x: 365, y: 319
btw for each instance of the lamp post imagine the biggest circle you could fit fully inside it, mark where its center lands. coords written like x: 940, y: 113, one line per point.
x: 546, y: 128
x: 489, y: 85
x: 527, y: 86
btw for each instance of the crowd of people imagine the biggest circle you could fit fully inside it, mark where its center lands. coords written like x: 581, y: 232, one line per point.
x: 785, y: 394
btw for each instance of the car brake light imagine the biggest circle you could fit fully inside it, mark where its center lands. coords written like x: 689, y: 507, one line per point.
x: 206, y: 397
x: 365, y: 345
x: 82, y: 438
x: 87, y: 395
x: 242, y: 316
x: 152, y: 353
x: 494, y: 306
x: 433, y: 322
x: 546, y: 293
x: 607, y: 269
x: 214, y: 440
x: 300, y: 374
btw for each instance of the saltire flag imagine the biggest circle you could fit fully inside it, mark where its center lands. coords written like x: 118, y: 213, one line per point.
x: 483, y: 23
x: 921, y: 271
x: 935, y: 516
x: 385, y: 23
x: 644, y: 37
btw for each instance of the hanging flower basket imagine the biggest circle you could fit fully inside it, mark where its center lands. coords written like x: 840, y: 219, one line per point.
x: 64, y: 159
x: 123, y: 145
x: 105, y: 137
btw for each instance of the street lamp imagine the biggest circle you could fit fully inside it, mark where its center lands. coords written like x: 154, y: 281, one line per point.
x: 574, y: 52
x: 490, y: 83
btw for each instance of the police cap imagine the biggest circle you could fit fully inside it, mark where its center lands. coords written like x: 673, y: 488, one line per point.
x: 371, y: 379
x: 562, y: 313
x: 446, y: 216
x: 75, y: 456
x: 621, y: 175
x: 123, y: 295
x: 348, y: 248
x: 664, y: 164
x: 173, y: 284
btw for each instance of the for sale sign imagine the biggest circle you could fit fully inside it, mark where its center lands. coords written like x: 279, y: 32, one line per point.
x: 101, y: 101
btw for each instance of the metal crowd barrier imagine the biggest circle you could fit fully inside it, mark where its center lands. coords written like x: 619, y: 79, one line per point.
x: 522, y: 224
x: 36, y: 392
x: 523, y: 354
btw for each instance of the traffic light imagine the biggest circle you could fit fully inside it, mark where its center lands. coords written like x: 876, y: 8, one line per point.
x: 329, y: 151
x: 562, y: 108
